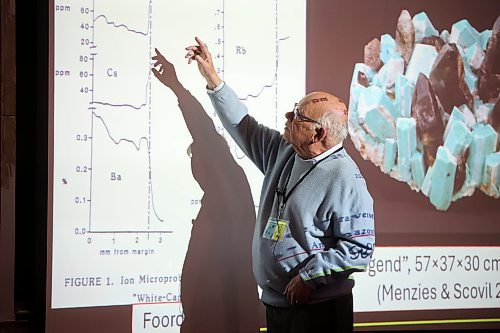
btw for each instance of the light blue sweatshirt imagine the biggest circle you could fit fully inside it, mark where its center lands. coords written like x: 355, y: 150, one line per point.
x: 330, y: 232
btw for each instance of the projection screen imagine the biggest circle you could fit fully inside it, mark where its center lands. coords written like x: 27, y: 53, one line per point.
x: 149, y: 196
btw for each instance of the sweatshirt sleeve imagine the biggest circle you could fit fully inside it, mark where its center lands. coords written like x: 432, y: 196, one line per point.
x: 227, y: 105
x: 258, y: 142
x: 353, y: 228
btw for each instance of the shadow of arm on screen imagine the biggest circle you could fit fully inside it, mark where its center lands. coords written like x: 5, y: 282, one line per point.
x: 213, y: 166
x: 212, y: 162
x: 210, y: 147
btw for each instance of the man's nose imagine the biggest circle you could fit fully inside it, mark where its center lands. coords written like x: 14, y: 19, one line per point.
x: 289, y: 115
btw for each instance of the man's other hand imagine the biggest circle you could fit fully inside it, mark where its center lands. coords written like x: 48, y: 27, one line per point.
x: 297, y: 292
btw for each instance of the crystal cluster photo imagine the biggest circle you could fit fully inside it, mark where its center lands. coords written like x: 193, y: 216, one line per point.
x: 425, y: 108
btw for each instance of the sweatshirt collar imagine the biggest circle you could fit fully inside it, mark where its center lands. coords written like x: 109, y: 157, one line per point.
x: 324, y: 154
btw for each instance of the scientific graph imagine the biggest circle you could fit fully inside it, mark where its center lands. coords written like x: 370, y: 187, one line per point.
x: 124, y: 194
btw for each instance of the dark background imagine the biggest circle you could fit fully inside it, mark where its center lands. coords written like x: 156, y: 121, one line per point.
x: 337, y: 33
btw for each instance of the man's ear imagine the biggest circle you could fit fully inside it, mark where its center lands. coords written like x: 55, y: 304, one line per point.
x: 320, y: 134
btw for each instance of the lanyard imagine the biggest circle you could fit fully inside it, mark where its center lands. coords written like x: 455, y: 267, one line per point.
x: 282, y: 192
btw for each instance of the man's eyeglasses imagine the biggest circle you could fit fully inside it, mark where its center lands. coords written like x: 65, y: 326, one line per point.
x: 300, y: 117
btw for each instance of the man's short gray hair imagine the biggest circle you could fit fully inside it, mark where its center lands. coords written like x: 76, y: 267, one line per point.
x: 336, y: 128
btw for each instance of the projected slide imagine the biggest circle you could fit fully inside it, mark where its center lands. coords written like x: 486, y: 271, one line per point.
x: 124, y: 195
x: 424, y: 108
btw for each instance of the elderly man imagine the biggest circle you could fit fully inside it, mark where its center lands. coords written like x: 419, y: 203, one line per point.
x: 315, y: 224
